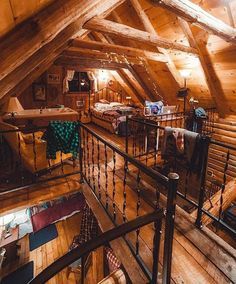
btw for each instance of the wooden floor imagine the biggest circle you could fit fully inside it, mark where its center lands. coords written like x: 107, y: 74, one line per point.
x: 49, y: 252
x: 194, y: 254
x: 191, y: 248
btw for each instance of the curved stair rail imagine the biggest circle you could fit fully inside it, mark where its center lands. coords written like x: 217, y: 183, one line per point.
x: 93, y: 244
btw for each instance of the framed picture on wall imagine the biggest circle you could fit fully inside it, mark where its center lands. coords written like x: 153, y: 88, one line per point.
x: 53, y: 78
x: 39, y: 92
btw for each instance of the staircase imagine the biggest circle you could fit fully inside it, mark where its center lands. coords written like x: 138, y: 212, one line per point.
x: 224, y: 132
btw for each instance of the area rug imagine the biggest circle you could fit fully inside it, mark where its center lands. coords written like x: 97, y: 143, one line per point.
x: 42, y: 236
x: 20, y: 276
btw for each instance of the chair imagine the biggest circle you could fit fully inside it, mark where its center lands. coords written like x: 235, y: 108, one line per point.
x: 24, y: 142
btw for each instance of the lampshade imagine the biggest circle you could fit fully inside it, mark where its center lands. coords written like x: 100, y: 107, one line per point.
x: 12, y: 105
x: 185, y: 73
x: 5, y: 220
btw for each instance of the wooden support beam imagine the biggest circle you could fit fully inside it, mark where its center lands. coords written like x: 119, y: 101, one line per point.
x: 120, y: 30
x: 76, y: 63
x: 17, y: 46
x: 118, y: 49
x: 49, y: 52
x: 101, y: 37
x: 152, y: 84
x: 129, y: 89
x: 197, y: 16
x: 211, y: 78
x: 93, y: 54
x: 127, y: 81
x: 149, y: 28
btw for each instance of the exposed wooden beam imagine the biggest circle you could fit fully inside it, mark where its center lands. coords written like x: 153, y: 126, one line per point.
x: 196, y: 15
x: 107, y: 39
x: 76, y: 63
x: 118, y: 49
x: 8, y: 85
x: 152, y: 88
x: 211, y: 78
x: 149, y: 28
x: 17, y: 46
x: 120, y: 30
x: 93, y: 54
x: 131, y: 91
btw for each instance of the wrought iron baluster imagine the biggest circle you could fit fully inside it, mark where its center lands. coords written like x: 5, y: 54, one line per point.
x: 137, y: 209
x: 88, y: 158
x: 114, y: 185
x: 124, y: 190
x: 20, y: 157
x: 34, y: 153
x: 106, y: 177
x: 93, y: 168
x: 223, y: 184
x: 155, y: 146
x: 84, y: 152
x: 99, y: 170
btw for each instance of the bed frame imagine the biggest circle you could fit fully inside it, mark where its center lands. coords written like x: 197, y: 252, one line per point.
x: 110, y: 95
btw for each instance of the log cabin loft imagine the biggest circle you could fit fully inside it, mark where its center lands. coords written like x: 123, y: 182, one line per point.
x: 118, y: 141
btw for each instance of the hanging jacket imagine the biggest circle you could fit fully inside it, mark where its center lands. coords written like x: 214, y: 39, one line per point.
x: 62, y: 136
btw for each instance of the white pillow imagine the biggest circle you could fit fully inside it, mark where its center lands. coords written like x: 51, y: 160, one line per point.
x: 115, y: 104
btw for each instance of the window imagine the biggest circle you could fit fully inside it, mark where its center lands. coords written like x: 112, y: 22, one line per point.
x: 79, y: 83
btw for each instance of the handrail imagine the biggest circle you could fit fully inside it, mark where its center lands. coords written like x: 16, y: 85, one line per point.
x: 93, y: 244
x: 152, y: 173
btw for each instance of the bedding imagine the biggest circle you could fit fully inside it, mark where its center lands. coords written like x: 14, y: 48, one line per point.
x: 50, y: 212
x: 110, y: 115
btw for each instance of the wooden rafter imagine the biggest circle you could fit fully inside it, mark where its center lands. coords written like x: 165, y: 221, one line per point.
x: 17, y: 46
x: 81, y: 53
x: 49, y: 52
x: 120, y: 30
x: 76, y: 63
x: 197, y: 16
x: 151, y: 75
x: 118, y: 49
x: 122, y: 75
x: 149, y: 28
x: 211, y: 78
x: 102, y: 38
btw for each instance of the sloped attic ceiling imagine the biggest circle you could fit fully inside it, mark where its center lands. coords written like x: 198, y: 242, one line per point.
x: 214, y: 84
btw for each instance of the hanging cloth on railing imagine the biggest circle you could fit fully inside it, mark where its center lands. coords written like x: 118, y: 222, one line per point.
x: 61, y: 136
x: 189, y: 154
x: 88, y: 228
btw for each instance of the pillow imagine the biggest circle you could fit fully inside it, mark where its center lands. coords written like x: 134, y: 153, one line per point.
x: 115, y: 104
x: 102, y: 101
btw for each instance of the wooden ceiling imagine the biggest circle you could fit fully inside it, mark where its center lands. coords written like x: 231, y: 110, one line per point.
x: 212, y: 70
x: 13, y: 12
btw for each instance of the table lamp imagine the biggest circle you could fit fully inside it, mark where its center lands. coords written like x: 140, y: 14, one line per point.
x: 12, y: 105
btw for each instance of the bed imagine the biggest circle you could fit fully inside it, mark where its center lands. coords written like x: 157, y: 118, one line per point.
x: 110, y: 115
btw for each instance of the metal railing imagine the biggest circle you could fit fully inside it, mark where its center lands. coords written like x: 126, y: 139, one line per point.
x: 196, y: 192
x: 23, y: 160
x: 113, y: 234
x: 103, y: 166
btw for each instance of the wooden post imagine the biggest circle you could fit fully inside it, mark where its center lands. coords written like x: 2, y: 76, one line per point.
x: 169, y: 228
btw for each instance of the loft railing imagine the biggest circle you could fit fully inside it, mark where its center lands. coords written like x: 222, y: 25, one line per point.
x: 184, y: 119
x: 113, y: 234
x: 104, y: 166
x: 144, y: 141
x: 23, y: 161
